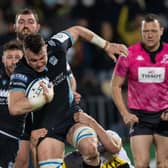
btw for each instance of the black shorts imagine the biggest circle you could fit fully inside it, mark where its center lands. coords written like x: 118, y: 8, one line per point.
x: 8, y: 151
x: 149, y: 124
x: 28, y: 128
x: 60, y: 130
x: 73, y: 160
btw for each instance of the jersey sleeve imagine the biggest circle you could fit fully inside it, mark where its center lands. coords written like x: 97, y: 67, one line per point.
x: 69, y: 71
x: 121, y: 67
x: 18, y: 82
x: 61, y: 42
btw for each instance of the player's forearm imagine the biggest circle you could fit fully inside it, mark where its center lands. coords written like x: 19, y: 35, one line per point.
x: 19, y: 106
x: 118, y: 100
x: 73, y: 84
x: 87, y: 35
x: 110, y: 144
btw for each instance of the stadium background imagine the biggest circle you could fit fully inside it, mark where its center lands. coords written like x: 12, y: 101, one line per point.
x: 115, y: 20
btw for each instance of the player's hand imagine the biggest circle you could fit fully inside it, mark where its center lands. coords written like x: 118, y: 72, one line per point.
x: 164, y: 115
x: 115, y: 48
x: 48, y: 91
x: 130, y: 119
x: 77, y: 97
x: 82, y: 117
x: 36, y: 134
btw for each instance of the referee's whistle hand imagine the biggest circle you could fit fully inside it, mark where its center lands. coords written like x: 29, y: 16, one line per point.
x: 164, y: 115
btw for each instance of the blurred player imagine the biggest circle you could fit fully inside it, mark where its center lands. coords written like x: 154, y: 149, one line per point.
x: 10, y: 126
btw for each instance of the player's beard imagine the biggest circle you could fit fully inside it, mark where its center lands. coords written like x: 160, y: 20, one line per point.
x: 21, y: 35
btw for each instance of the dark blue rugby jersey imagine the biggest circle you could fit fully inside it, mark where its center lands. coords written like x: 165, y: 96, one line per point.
x: 12, y: 125
x: 56, y: 111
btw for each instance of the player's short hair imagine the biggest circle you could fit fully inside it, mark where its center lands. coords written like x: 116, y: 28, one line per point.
x: 34, y: 42
x: 27, y: 11
x: 13, y: 45
x: 151, y: 17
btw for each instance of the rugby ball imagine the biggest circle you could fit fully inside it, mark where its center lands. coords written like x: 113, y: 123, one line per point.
x: 35, y: 95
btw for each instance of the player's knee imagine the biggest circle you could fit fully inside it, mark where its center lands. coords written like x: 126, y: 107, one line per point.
x: 162, y: 163
x: 141, y: 164
x: 51, y: 163
x: 141, y: 161
x: 82, y: 133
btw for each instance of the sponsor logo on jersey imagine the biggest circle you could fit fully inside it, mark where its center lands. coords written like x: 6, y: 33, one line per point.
x: 53, y: 60
x: 19, y: 77
x: 165, y: 59
x: 51, y: 43
x: 58, y: 79
x: 151, y: 74
x: 139, y: 58
x: 3, y: 96
x: 4, y: 82
x: 61, y: 37
x: 3, y: 93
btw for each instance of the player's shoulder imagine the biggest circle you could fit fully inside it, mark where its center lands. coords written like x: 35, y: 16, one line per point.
x: 113, y: 133
x: 165, y: 46
x: 135, y: 47
x: 22, y: 73
x: 59, y: 38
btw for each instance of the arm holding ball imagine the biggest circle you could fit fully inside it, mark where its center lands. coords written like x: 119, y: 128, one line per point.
x: 38, y: 93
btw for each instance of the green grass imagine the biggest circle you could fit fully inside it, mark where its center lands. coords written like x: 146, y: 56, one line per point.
x: 128, y: 149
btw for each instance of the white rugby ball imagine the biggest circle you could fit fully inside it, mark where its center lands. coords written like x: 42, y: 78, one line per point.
x: 34, y: 92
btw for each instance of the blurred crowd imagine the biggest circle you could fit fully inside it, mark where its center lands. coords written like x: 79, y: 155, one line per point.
x: 114, y: 20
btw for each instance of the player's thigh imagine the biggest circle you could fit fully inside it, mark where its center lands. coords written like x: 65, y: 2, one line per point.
x: 140, y: 146
x: 161, y: 143
x: 83, y: 138
x: 50, y: 148
x: 70, y: 134
x: 78, y: 132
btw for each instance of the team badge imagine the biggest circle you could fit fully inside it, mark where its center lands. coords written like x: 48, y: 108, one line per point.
x: 139, y: 58
x: 53, y: 60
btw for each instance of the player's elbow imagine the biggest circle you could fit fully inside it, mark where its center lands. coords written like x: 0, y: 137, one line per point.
x: 115, y: 142
x: 115, y: 149
x: 112, y: 147
x: 14, y: 106
x: 13, y: 110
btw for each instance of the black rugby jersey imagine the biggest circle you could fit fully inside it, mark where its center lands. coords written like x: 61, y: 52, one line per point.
x: 55, y: 112
x: 9, y: 124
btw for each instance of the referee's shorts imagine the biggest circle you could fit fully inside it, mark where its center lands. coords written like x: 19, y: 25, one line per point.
x: 149, y: 123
